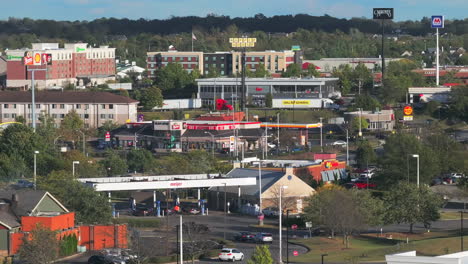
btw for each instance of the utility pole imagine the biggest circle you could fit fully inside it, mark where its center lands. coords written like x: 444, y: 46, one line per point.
x: 243, y: 43
x: 321, y: 136
x: 181, y: 242
x: 278, y: 122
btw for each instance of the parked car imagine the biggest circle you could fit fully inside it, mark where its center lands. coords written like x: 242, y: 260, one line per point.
x: 97, y: 259
x: 142, y: 211
x: 339, y: 143
x: 230, y: 254
x: 194, y: 211
x: 244, y: 236
x: 264, y: 238
x: 24, y: 184
x: 457, y: 175
x: 270, y: 211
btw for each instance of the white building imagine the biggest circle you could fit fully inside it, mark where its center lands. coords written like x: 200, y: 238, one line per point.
x: 411, y: 258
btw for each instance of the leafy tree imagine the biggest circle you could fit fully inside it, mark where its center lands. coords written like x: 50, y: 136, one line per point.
x: 366, y: 103
x: 293, y: 70
x: 312, y: 71
x: 362, y: 78
x: 462, y: 60
x: 90, y: 206
x: 212, y: 72
x: 123, y: 92
x: 173, y: 78
x: 355, y: 123
x: 140, y: 160
x: 365, y: 154
x: 261, y: 255
x: 195, y: 242
x: 109, y: 125
x: 407, y: 203
x: 40, y: 247
x: 114, y: 165
x: 20, y: 119
x: 260, y: 71
x: 152, y: 97
x: 459, y: 108
x: 398, y: 164
x: 268, y: 100
x: 71, y: 125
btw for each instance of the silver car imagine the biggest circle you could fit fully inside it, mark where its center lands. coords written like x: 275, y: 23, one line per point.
x: 264, y: 238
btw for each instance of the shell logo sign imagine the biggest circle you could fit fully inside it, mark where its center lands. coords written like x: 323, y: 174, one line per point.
x: 408, y: 110
x: 37, y: 58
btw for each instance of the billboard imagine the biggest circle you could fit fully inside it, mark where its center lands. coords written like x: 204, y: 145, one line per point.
x: 46, y: 59
x: 383, y: 13
x: 296, y: 102
x: 37, y: 58
x: 28, y: 58
x: 437, y: 22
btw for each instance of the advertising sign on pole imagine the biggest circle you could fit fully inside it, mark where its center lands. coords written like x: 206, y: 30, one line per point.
x: 437, y: 22
x: 46, y: 59
x: 28, y: 58
x: 107, y: 136
x: 37, y: 58
x: 383, y: 13
x: 232, y: 141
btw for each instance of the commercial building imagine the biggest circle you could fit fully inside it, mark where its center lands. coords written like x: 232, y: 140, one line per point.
x: 383, y: 120
x: 273, y: 61
x: 245, y: 199
x: 330, y: 64
x: 190, y: 60
x: 94, y: 108
x: 229, y: 89
x: 427, y: 94
x: 75, y: 64
x: 221, y: 62
x: 21, y: 211
x: 411, y: 258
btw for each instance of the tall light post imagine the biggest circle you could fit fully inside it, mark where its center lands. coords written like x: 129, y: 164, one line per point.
x: 360, y: 120
x: 212, y: 142
x: 35, y: 168
x: 278, y: 122
x: 260, y: 190
x: 417, y: 168
x: 347, y: 147
x: 181, y: 241
x: 243, y: 43
x: 225, y: 212
x: 280, y: 212
x: 321, y: 135
x: 73, y: 167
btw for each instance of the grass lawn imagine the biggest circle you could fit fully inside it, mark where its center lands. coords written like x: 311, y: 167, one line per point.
x: 372, y: 248
x: 452, y: 216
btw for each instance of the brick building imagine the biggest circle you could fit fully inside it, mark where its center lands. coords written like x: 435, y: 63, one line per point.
x: 94, y: 108
x: 190, y: 60
x: 75, y: 64
x: 21, y: 211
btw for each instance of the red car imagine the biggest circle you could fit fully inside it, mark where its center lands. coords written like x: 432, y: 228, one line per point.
x: 360, y: 185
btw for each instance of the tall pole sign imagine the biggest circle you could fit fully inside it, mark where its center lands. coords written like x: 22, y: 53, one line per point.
x: 383, y: 14
x: 437, y: 22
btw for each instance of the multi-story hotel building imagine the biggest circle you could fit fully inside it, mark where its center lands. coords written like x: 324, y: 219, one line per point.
x: 226, y: 63
x: 94, y: 108
x: 75, y: 64
x: 190, y: 60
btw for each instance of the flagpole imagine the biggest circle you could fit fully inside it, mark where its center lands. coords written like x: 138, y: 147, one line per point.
x: 192, y: 40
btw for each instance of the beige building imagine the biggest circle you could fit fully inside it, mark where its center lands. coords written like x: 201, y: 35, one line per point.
x: 383, y: 120
x: 246, y: 198
x: 274, y: 61
x: 94, y: 108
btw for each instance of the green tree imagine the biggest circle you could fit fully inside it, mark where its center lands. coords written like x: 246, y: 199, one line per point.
x: 261, y: 71
x: 152, y: 97
x: 140, y: 160
x: 109, y: 125
x: 212, y: 72
x: 71, y: 125
x: 462, y: 60
x: 366, y: 103
x: 362, y: 78
x: 90, y: 206
x: 114, y: 165
x: 398, y: 163
x: 261, y: 255
x: 459, y: 107
x: 312, y: 71
x: 355, y: 123
x: 123, y: 92
x: 293, y: 70
x: 269, y: 100
x: 365, y: 154
x: 40, y: 247
x: 410, y: 204
x: 173, y: 77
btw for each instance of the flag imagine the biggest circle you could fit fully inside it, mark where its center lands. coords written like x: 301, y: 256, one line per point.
x: 194, y: 37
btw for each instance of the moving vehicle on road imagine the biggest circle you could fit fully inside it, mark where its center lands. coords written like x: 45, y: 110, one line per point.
x: 339, y: 143
x: 244, y: 236
x: 230, y: 254
x: 264, y: 238
x: 270, y: 211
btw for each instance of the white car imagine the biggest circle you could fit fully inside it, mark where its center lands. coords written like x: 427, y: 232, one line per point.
x: 230, y: 254
x: 339, y: 143
x: 264, y: 238
x: 270, y: 211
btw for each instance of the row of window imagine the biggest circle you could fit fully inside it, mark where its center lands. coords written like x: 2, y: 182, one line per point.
x: 83, y: 116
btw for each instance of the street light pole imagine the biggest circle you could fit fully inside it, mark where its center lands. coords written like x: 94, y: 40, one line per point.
x: 321, y: 137
x: 212, y: 142
x: 225, y: 212
x: 35, y: 169
x: 73, y: 166
x: 347, y: 148
x: 260, y: 189
x: 181, y: 241
x: 278, y: 121
x: 360, y: 117
x: 287, y: 235
x: 280, y: 212
x: 417, y: 168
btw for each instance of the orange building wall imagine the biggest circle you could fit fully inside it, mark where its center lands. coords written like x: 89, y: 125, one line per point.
x: 99, y: 237
x: 54, y: 223
x: 315, y: 171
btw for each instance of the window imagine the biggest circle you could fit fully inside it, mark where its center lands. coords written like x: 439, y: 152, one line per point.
x: 214, y: 58
x: 54, y: 115
x: 6, y: 115
x: 103, y: 106
x: 86, y: 106
x: 13, y: 115
x: 5, y: 106
x: 86, y: 116
x: 62, y: 106
x: 78, y: 106
x: 14, y: 106
x: 62, y: 115
x: 222, y: 72
x: 54, y: 106
x: 111, y: 116
x: 103, y: 116
x: 29, y: 106
x: 111, y: 106
x: 206, y: 58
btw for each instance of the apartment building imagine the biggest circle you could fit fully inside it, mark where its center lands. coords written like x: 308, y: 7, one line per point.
x: 190, y: 60
x: 75, y: 63
x: 274, y: 61
x: 94, y: 108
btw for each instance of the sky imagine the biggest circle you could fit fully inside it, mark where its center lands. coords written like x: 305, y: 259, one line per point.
x: 162, y: 9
